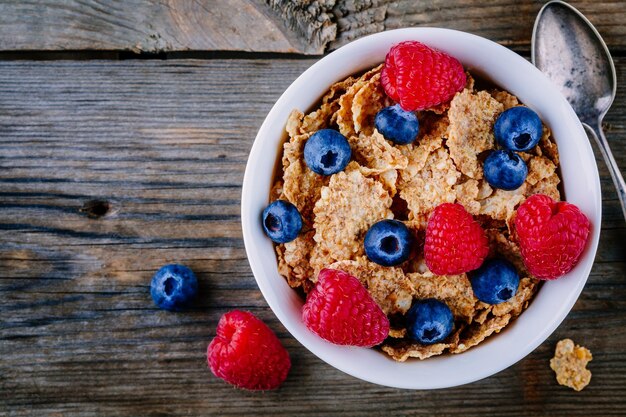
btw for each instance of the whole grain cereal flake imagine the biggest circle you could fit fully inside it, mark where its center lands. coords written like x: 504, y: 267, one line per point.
x: 569, y: 364
x: 346, y: 209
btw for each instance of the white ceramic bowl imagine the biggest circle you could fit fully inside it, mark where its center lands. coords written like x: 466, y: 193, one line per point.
x: 580, y: 179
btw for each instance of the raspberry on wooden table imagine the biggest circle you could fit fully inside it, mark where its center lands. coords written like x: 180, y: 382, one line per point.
x: 551, y: 235
x: 419, y: 77
x: 247, y: 353
x: 340, y: 310
x: 455, y: 243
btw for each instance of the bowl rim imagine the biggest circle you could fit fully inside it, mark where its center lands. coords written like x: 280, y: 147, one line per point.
x: 249, y: 220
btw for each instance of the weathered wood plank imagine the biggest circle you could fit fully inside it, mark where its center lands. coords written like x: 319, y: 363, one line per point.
x: 165, y: 144
x: 164, y: 25
x: 270, y: 25
x: 508, y: 22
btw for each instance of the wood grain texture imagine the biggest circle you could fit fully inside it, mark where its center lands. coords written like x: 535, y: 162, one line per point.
x: 309, y: 27
x: 508, y: 22
x: 165, y: 144
x: 164, y: 25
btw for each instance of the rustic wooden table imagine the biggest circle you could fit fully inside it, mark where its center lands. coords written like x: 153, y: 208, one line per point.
x: 112, y: 165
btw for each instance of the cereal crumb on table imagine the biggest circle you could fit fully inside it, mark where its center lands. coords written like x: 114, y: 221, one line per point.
x: 569, y: 364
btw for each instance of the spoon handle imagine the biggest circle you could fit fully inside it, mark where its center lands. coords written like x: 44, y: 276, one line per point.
x: 595, y: 130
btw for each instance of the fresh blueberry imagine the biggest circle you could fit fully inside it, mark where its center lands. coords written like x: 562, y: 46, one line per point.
x: 327, y: 152
x: 505, y: 170
x: 518, y: 129
x: 495, y: 282
x: 388, y: 242
x: 282, y: 221
x: 397, y: 125
x: 173, y: 287
x: 429, y: 321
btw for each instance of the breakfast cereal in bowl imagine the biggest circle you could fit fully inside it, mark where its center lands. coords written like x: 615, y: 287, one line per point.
x: 418, y: 209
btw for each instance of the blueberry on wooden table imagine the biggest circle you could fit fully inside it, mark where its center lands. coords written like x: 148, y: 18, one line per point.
x: 174, y: 287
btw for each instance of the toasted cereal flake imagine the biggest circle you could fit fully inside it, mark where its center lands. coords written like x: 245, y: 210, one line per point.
x: 569, y: 363
x: 293, y: 150
x: 376, y: 154
x: 276, y: 191
x: 338, y: 89
x: 319, y: 119
x: 388, y: 286
x: 320, y: 259
x: 472, y: 116
x: 401, y: 350
x: 547, y: 186
x: 507, y: 99
x: 467, y: 195
x: 347, y: 208
x: 476, y: 333
x: 501, y: 245
x: 322, y: 117
x: 417, y: 155
x: 482, y: 312
x: 454, y: 290
x: 431, y: 186
x: 440, y: 109
x: 484, y: 190
x: 293, y: 259
x: 378, y: 158
x: 432, y: 131
x: 302, y: 188
x: 343, y: 115
x: 397, y: 333
x: 539, y: 168
x: 548, y: 146
x: 469, y: 81
x: 294, y: 123
x: 389, y: 180
x: 368, y: 101
x: 501, y: 204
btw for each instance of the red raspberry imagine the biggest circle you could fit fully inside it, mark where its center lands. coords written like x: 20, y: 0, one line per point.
x: 455, y: 243
x: 247, y: 353
x: 419, y: 77
x: 340, y: 310
x: 551, y: 235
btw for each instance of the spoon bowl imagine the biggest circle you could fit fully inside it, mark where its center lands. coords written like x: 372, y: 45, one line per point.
x: 570, y: 51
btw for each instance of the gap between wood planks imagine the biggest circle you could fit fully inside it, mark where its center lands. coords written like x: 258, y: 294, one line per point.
x: 199, y: 55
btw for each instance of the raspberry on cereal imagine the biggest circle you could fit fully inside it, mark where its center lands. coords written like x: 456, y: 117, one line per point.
x: 551, y: 235
x: 419, y: 77
x: 455, y: 242
x: 339, y: 309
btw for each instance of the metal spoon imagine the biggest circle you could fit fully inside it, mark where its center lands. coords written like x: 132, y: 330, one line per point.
x: 569, y: 50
